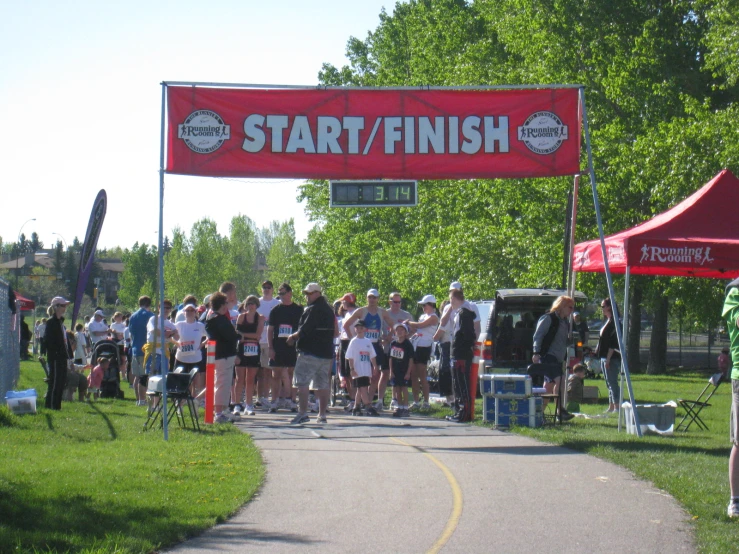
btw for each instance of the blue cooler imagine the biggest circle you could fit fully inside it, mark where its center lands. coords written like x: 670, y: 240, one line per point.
x: 507, y: 386
x: 526, y: 412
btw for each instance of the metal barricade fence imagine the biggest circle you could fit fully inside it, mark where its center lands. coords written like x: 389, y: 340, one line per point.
x: 10, y: 364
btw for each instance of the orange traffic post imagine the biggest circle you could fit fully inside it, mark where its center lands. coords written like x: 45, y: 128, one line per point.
x: 210, y: 381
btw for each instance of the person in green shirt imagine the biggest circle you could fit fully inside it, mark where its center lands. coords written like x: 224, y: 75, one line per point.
x: 731, y: 315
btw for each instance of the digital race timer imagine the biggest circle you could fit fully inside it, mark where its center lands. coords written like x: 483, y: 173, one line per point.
x: 373, y: 194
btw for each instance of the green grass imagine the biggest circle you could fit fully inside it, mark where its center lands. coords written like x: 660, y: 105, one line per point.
x: 692, y: 466
x: 87, y: 479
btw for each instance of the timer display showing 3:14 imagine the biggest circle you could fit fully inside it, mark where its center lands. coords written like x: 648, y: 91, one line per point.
x: 371, y: 194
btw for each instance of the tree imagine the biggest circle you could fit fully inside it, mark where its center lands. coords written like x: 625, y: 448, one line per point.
x: 36, y: 244
x: 284, y: 256
x: 140, y: 275
x: 241, y: 255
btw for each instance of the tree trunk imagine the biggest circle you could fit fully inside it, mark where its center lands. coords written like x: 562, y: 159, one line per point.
x: 658, y: 345
x: 632, y: 342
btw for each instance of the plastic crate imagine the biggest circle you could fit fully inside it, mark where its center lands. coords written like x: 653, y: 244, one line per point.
x: 505, y: 412
x: 658, y: 419
x: 21, y: 402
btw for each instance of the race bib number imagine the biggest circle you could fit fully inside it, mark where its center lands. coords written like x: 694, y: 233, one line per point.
x: 364, y: 356
x: 284, y: 331
x: 397, y: 353
x: 187, y: 346
x: 251, y: 349
x: 373, y: 335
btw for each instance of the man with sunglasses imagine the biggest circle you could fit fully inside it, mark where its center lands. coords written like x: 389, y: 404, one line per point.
x: 315, y: 343
x: 398, y: 315
x: 283, y: 322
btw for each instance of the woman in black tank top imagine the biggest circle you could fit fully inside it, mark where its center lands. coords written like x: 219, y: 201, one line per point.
x: 249, y: 325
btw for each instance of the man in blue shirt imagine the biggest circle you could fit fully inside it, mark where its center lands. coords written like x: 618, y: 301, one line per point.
x: 137, y: 329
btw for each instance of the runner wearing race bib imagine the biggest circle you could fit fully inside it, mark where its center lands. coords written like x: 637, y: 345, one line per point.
x: 423, y: 339
x: 401, y: 366
x: 192, y: 337
x: 374, y: 316
x: 362, y: 360
x: 249, y: 325
x: 284, y: 320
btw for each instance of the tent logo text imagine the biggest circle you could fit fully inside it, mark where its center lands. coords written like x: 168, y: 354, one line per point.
x: 543, y: 133
x: 582, y: 258
x: 685, y: 255
x: 616, y: 254
x: 204, y: 131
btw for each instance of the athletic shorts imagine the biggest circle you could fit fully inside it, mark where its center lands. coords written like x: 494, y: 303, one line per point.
x: 285, y: 356
x: 361, y: 382
x: 248, y: 361
x: 312, y: 372
x: 422, y: 354
x: 734, y: 423
x: 137, y: 366
x: 400, y: 381
x: 187, y: 367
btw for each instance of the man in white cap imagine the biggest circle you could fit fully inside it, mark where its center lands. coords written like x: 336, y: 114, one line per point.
x: 373, y: 317
x: 98, y: 329
x: 449, y: 314
x: 315, y: 344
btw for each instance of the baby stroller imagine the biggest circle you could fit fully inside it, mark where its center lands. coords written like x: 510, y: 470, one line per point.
x: 111, y: 386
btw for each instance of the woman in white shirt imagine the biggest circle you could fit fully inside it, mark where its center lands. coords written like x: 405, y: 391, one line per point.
x: 189, y: 354
x: 423, y: 340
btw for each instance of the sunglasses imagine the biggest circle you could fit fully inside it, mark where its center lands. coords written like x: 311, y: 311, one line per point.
x: 395, y: 301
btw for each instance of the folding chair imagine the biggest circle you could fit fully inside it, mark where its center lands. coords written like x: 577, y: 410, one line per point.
x: 693, y: 408
x: 178, y: 392
x: 538, y: 372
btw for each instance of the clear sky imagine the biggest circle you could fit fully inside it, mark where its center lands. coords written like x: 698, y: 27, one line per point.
x: 80, y: 105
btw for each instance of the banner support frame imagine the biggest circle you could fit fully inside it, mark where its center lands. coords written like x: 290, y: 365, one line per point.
x: 609, y: 278
x: 160, y: 255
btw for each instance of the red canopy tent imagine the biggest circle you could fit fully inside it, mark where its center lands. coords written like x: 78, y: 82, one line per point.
x: 23, y: 303
x: 697, y: 238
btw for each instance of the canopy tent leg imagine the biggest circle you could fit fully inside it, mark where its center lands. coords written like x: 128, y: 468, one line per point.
x: 624, y: 353
x: 160, y: 253
x: 609, y: 278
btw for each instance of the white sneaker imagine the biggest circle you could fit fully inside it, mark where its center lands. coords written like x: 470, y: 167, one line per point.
x: 249, y: 409
x: 733, y: 510
x: 394, y: 404
x: 220, y: 418
x: 290, y: 405
x: 238, y: 410
x: 266, y: 404
x: 229, y: 416
x: 415, y: 406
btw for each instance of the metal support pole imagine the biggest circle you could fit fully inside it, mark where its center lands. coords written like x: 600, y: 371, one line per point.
x: 624, y: 353
x: 609, y: 278
x: 161, y: 270
x: 571, y: 275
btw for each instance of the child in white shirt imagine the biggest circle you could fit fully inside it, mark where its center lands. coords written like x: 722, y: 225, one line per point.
x: 361, y: 357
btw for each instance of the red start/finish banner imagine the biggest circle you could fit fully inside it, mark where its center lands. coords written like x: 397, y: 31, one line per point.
x: 373, y: 134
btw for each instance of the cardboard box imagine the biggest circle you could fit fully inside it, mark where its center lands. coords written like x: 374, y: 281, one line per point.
x: 510, y: 386
x: 590, y: 394
x: 658, y: 419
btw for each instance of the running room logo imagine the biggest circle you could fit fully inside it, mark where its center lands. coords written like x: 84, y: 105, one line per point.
x: 543, y: 133
x: 683, y: 255
x: 204, y: 131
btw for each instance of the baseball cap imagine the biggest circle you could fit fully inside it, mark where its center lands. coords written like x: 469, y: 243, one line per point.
x: 189, y: 306
x: 373, y: 292
x: 403, y: 325
x: 59, y: 301
x: 312, y: 287
x: 100, y: 313
x: 360, y: 323
x: 428, y: 299
x: 267, y: 285
x: 206, y: 300
x: 349, y: 297
x: 456, y: 285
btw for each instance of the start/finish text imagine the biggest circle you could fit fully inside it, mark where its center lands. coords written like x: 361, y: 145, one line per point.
x: 350, y: 135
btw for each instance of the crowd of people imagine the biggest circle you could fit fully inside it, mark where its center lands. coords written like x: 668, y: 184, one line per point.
x: 273, y: 353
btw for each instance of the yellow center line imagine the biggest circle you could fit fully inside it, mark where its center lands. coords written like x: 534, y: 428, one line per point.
x: 453, y: 521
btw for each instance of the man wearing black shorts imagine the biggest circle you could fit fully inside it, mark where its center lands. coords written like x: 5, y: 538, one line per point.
x: 283, y: 322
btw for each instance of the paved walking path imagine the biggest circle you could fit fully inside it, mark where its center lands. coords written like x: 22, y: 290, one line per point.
x: 425, y: 485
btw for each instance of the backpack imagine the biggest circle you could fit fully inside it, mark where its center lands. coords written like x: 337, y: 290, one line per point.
x: 464, y: 338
